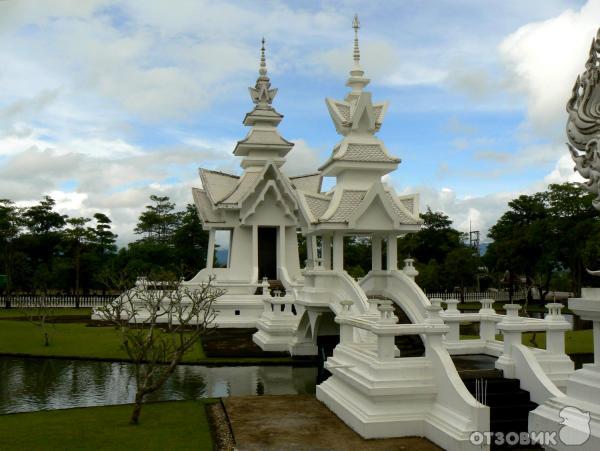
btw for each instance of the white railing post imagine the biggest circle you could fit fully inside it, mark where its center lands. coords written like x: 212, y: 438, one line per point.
x: 346, y: 330
x: 452, y: 310
x: 385, y: 342
x: 555, y: 336
x: 487, y: 325
x: 511, y: 331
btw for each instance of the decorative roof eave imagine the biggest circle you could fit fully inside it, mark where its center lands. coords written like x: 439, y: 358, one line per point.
x: 208, y: 185
x: 330, y: 227
x: 206, y: 212
x: 376, y: 192
x: 260, y: 176
x: 269, y: 186
x: 314, y: 175
x: 263, y: 115
x: 415, y: 199
x: 332, y: 166
x: 305, y: 210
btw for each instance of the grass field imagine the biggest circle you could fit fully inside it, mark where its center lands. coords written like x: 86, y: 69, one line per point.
x: 84, y: 313
x: 77, y: 340
x: 180, y: 425
x: 576, y: 341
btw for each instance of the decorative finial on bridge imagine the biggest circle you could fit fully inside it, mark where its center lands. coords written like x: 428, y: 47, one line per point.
x: 356, y: 26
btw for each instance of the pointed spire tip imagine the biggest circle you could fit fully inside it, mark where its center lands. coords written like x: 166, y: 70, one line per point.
x: 263, y: 60
x: 356, y: 26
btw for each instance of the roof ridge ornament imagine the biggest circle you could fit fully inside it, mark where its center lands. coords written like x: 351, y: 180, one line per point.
x: 261, y: 94
x: 263, y: 61
x: 583, y: 125
x: 356, y: 81
x: 356, y: 26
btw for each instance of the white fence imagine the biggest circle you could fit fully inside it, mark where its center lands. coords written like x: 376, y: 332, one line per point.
x: 28, y: 301
x: 499, y: 296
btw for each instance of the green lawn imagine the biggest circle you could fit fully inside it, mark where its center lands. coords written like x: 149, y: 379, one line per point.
x: 576, y: 341
x: 179, y: 425
x: 80, y: 341
x: 85, y: 313
x: 69, y: 340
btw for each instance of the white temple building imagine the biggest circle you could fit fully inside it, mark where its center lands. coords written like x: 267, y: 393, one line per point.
x: 373, y: 386
x: 257, y: 211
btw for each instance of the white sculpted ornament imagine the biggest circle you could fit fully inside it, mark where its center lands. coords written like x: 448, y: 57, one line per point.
x: 583, y: 125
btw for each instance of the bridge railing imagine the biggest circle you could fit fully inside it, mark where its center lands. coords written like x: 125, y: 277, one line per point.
x: 487, y: 318
x: 430, y: 384
x: 385, y: 328
x: 276, y: 305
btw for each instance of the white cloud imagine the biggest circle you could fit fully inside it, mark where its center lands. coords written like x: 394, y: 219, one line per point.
x: 476, y: 212
x: 563, y: 172
x: 543, y: 60
x: 302, y: 159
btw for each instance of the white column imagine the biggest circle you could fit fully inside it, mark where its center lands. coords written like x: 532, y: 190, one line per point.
x: 254, y: 254
x: 392, y: 252
x: 326, y: 248
x: 210, y: 254
x: 596, y: 326
x: 376, y: 252
x: 338, y: 251
x: 311, y: 251
x: 281, y: 258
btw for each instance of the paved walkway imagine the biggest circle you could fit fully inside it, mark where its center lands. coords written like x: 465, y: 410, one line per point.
x: 300, y: 422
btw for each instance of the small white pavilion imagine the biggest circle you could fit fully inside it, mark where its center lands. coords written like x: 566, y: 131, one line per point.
x: 360, y: 203
x: 255, y: 213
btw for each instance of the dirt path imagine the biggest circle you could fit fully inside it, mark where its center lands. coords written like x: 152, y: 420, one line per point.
x: 300, y: 422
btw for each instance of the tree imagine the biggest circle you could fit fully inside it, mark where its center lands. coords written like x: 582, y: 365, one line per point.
x: 10, y: 225
x: 521, y: 237
x: 544, y: 233
x: 461, y: 267
x: 77, y: 234
x: 42, y: 239
x: 434, y: 248
x: 39, y: 314
x: 184, y: 313
x: 158, y: 221
x: 190, y: 242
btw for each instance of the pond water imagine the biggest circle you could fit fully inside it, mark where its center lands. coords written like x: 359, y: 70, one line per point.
x: 41, y: 384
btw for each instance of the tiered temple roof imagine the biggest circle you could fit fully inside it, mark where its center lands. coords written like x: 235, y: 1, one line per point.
x: 358, y: 162
x: 263, y: 152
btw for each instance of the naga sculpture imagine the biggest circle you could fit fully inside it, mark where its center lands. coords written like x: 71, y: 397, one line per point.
x: 583, y: 125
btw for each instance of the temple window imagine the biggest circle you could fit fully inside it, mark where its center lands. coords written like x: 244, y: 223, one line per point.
x: 222, y: 248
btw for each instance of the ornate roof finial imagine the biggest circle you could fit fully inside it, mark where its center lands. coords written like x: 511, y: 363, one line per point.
x: 263, y: 61
x: 262, y: 94
x: 357, y: 81
x: 356, y: 26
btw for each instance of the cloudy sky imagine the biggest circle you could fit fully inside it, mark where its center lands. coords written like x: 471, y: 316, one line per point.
x: 103, y: 103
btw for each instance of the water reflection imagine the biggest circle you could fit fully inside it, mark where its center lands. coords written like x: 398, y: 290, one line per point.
x: 39, y: 384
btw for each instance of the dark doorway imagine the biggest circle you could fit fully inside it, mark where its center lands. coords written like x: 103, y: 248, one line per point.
x: 267, y: 253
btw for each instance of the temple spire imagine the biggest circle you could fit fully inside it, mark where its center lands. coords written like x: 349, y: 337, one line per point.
x: 356, y: 26
x: 263, y: 61
x: 356, y: 81
x: 261, y: 94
